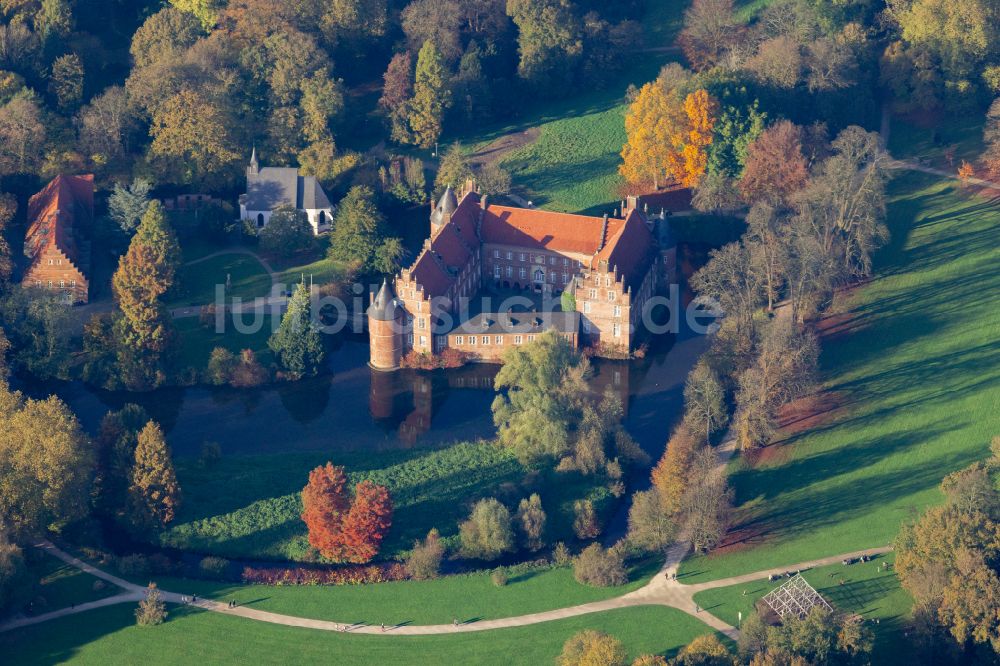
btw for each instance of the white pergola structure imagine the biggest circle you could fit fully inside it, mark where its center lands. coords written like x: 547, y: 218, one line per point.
x: 795, y: 598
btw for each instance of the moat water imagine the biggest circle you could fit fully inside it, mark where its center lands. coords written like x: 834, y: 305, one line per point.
x: 352, y: 407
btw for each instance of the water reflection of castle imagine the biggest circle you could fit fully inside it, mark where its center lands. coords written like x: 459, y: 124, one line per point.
x: 408, y: 400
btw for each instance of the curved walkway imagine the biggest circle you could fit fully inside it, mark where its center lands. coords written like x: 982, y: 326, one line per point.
x: 662, y: 590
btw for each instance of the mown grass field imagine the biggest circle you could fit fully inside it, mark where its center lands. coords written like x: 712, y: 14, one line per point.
x: 250, y: 507
x: 465, y: 597
x: 109, y: 637
x: 58, y: 585
x: 914, y: 375
x: 197, y: 341
x: 862, y: 588
x: 197, y: 282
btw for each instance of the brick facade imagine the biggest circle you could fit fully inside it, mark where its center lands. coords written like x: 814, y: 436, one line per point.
x: 59, y: 221
x: 611, y: 265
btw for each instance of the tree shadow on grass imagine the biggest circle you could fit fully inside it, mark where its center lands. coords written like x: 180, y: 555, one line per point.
x: 789, y: 511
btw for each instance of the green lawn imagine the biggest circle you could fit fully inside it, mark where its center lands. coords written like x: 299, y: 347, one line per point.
x: 466, y: 597
x: 916, y: 380
x: 932, y: 138
x: 109, y: 636
x: 865, y: 590
x: 197, y: 282
x: 322, y: 271
x: 573, y: 165
x: 197, y: 341
x: 59, y: 585
x: 249, y: 506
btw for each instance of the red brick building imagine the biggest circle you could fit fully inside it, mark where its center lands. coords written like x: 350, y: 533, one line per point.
x: 60, y: 218
x: 611, y: 265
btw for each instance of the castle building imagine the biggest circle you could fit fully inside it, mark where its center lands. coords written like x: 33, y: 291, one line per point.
x: 271, y: 187
x: 611, y: 266
x: 60, y: 218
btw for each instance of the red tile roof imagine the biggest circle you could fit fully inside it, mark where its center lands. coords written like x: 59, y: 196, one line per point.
x: 546, y: 230
x: 629, y: 250
x: 53, y: 212
x: 627, y: 245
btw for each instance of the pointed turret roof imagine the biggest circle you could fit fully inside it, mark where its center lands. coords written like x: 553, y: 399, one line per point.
x: 383, y: 307
x: 448, y: 202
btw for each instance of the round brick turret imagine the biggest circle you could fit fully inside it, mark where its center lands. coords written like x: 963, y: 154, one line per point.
x: 385, y: 330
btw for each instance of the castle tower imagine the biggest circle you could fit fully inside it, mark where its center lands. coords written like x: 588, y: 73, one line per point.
x: 443, y: 211
x: 385, y: 330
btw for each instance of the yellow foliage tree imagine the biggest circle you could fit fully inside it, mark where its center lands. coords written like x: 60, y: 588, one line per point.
x: 650, y: 124
x: 667, y: 137
x: 701, y: 110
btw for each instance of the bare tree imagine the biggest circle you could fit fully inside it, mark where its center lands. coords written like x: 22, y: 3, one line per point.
x: 710, y: 30
x: 707, y: 503
x: 733, y: 281
x: 705, y: 400
x: 784, y: 369
x: 844, y: 204
x: 767, y: 231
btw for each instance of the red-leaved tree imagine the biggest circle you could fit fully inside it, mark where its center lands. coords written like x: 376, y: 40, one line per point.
x: 325, y: 503
x: 775, y: 166
x: 340, y: 529
x: 367, y: 523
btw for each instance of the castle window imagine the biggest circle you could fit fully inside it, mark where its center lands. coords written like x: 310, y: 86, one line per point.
x: 565, y: 278
x: 565, y: 261
x: 472, y: 340
x: 618, y: 330
x: 72, y: 284
x: 611, y: 295
x: 423, y: 340
x: 523, y: 273
x: 50, y: 284
x: 593, y: 293
x: 62, y: 284
x: 552, y: 261
x: 618, y: 311
x: 496, y: 272
x: 51, y: 261
x: 260, y: 220
x: 496, y: 254
x: 510, y: 255
x: 409, y: 339
x: 607, y: 282
x: 59, y: 262
x: 531, y: 338
x: 510, y: 271
x: 586, y: 307
x: 518, y: 339
x: 586, y: 326
x: 440, y: 342
x: 459, y: 339
x: 522, y: 256
x: 486, y: 340
x: 420, y: 322
x: 498, y: 339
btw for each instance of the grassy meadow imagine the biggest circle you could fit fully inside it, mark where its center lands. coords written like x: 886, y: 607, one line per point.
x: 249, y: 506
x: 912, y: 371
x: 196, y: 282
x: 109, y: 637
x: 863, y: 588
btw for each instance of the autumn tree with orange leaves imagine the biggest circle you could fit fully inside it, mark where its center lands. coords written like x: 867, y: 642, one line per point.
x: 339, y: 528
x: 367, y: 523
x: 667, y: 136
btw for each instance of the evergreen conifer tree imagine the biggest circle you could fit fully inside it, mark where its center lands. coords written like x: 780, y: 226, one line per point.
x: 297, y: 342
x: 431, y: 96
